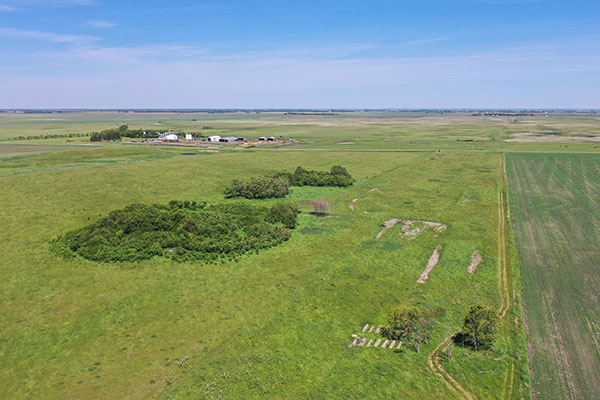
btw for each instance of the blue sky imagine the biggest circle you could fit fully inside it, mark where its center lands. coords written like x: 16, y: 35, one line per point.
x: 294, y: 54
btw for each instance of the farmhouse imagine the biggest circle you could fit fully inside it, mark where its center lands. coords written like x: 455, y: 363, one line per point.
x: 214, y: 138
x: 188, y: 137
x: 168, y: 136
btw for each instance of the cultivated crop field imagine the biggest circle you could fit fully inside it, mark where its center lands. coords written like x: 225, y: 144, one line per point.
x: 279, y: 323
x: 556, y: 214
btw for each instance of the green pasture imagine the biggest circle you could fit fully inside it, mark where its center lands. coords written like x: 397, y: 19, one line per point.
x: 272, y: 325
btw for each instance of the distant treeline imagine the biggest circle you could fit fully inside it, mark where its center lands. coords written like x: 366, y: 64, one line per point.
x: 48, y: 136
x: 124, y: 131
x: 118, y: 133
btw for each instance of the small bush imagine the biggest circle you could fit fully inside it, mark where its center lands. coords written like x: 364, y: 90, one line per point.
x: 338, y: 176
x: 284, y: 213
x: 258, y: 188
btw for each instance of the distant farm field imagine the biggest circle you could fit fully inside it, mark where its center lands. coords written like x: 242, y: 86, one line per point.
x: 555, y: 201
x: 277, y: 324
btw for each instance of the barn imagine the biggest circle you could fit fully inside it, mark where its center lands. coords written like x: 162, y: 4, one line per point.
x: 168, y: 137
x: 229, y: 139
x: 214, y: 138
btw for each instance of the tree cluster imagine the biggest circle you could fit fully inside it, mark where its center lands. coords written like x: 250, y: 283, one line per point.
x: 408, y: 323
x: 337, y: 176
x: 480, y: 327
x: 258, y: 188
x: 121, y: 131
x: 182, y: 231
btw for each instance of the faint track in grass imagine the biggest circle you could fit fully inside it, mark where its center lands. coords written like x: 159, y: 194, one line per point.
x: 504, y: 293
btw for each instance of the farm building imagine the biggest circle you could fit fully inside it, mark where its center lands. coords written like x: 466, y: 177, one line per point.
x: 188, y: 137
x: 214, y: 138
x: 242, y: 139
x: 168, y: 136
x: 271, y: 139
x: 229, y: 139
x: 262, y: 139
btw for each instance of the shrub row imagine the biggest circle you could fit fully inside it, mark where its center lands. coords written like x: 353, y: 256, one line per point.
x: 337, y: 176
x: 278, y: 186
x: 258, y: 188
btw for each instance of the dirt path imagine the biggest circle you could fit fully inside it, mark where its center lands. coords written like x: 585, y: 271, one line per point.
x: 502, y: 265
x: 503, y: 270
x: 436, y: 366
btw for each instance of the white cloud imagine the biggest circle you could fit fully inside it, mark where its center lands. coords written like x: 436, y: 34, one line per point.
x: 101, y: 24
x: 18, y: 5
x: 52, y: 37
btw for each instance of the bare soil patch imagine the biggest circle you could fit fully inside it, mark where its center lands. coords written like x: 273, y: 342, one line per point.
x: 433, y: 260
x: 476, y: 259
x: 387, y: 225
x: 412, y: 229
x: 320, y: 215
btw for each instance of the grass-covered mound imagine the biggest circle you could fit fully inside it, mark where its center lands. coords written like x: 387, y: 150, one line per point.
x: 337, y: 176
x: 182, y: 231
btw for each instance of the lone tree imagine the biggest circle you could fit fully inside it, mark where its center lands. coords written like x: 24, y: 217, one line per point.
x: 407, y: 322
x: 479, y: 327
x: 321, y: 207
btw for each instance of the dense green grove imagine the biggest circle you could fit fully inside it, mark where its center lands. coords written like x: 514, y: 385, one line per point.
x: 258, y: 188
x: 182, y: 231
x: 122, y: 131
x: 337, y: 176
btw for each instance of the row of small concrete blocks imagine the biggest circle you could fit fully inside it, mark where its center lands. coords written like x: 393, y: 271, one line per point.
x: 362, y: 342
x: 372, y: 327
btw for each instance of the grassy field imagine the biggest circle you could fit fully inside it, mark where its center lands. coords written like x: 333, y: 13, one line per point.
x: 556, y: 214
x: 273, y: 325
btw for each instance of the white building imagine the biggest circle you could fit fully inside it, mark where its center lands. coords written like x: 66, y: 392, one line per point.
x: 189, y: 137
x: 214, y: 138
x: 168, y: 136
